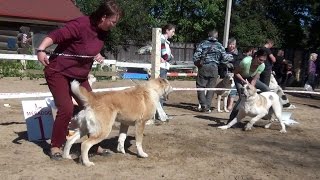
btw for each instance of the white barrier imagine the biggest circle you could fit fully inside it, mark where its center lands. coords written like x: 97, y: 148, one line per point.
x: 106, y: 62
x: 48, y: 94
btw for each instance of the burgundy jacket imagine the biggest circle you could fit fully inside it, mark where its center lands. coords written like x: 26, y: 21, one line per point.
x: 77, y: 37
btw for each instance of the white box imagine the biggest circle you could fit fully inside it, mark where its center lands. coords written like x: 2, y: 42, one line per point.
x: 39, y: 119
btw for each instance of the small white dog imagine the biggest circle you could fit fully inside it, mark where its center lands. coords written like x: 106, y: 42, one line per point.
x: 131, y: 107
x: 274, y: 86
x: 227, y: 82
x: 257, y: 106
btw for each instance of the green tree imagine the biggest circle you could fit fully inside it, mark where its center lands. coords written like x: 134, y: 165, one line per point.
x: 193, y: 17
x: 313, y: 29
x: 291, y: 23
x: 250, y: 25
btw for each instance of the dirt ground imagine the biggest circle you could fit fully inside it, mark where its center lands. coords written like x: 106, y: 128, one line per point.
x: 188, y: 147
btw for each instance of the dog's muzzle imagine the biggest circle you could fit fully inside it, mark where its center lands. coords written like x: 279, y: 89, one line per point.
x: 166, y: 93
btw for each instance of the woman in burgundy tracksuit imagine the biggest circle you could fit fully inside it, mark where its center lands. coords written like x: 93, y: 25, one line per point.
x: 82, y: 38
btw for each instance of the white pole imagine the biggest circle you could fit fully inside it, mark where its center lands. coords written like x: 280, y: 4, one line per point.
x: 227, y: 23
x: 155, y: 53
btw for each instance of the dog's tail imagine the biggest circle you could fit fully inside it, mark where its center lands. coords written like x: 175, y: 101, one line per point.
x: 80, y: 92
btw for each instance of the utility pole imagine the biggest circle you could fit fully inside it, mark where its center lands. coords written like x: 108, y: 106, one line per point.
x: 227, y: 23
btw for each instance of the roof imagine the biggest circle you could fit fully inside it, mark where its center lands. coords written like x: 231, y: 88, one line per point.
x: 43, y: 10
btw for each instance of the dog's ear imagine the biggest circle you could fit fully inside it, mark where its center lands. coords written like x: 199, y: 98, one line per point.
x: 163, y: 81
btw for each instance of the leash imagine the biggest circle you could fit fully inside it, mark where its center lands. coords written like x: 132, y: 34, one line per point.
x: 71, y: 55
x: 67, y: 55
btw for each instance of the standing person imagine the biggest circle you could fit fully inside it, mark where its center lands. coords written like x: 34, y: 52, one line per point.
x: 237, y: 57
x: 249, y: 69
x: 288, y: 74
x: 266, y: 74
x: 208, y: 56
x: 168, y: 31
x: 81, y: 40
x: 278, y: 66
x: 312, y: 69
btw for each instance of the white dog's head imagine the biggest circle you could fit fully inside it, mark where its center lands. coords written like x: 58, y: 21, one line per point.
x: 248, y: 90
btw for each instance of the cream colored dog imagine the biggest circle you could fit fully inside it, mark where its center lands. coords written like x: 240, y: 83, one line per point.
x: 131, y: 107
x: 257, y: 106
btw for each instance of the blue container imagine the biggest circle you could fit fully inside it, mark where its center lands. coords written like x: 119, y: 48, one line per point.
x: 135, y: 76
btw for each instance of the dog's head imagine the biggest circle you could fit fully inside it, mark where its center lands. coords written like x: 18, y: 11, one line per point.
x: 161, y: 86
x: 248, y: 90
x: 228, y: 80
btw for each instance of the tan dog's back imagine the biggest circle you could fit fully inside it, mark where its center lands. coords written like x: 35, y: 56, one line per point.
x: 130, y: 104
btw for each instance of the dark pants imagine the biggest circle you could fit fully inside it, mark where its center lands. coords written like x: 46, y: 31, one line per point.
x: 311, y: 80
x: 259, y: 85
x: 59, y: 86
x: 265, y: 76
x: 207, y: 78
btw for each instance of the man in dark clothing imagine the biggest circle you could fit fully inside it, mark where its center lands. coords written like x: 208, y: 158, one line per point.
x: 278, y: 66
x: 266, y: 74
x: 208, y: 56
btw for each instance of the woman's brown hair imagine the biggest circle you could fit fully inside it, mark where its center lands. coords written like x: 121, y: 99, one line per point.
x: 107, y: 8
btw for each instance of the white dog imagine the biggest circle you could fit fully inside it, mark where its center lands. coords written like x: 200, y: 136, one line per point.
x: 131, y: 107
x: 257, y: 106
x: 227, y: 82
x: 274, y: 86
x: 91, y: 79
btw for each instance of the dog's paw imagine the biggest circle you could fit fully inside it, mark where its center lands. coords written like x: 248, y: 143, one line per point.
x: 283, y: 131
x: 267, y: 126
x: 88, y: 164
x: 248, y: 127
x: 223, y: 127
x: 66, y: 156
x: 226, y: 110
x: 120, y: 148
x: 143, y: 154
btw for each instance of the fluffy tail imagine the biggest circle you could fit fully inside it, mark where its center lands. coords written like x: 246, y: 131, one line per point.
x: 80, y: 92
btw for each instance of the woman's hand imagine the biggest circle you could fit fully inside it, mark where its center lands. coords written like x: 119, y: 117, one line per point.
x: 99, y: 58
x: 41, y: 53
x: 42, y: 57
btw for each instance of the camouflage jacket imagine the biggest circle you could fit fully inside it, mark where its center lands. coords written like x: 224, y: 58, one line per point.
x: 212, y: 51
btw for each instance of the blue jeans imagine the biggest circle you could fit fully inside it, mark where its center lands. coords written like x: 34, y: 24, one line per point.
x: 163, y: 74
x: 233, y: 92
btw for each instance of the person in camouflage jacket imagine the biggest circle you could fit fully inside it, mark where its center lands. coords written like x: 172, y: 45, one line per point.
x: 208, y: 56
